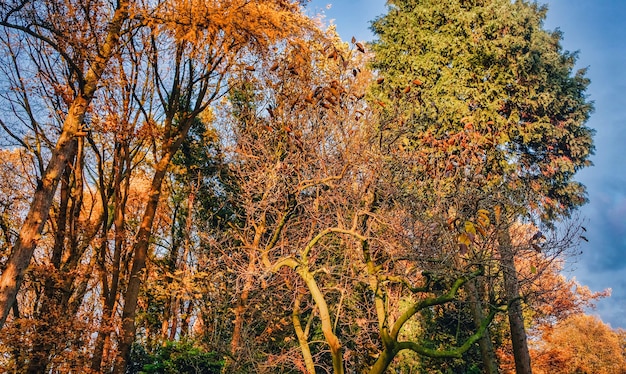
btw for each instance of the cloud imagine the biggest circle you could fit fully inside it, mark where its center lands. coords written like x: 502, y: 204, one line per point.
x: 603, y: 260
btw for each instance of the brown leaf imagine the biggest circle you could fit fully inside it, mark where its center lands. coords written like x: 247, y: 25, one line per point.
x: 463, y: 248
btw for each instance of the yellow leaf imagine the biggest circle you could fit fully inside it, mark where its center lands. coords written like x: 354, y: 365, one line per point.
x: 464, y: 239
x: 469, y: 228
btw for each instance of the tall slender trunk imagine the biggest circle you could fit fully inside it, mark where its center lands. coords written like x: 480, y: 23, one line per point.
x: 24, y: 247
x: 47, y: 313
x: 487, y: 352
x: 140, y: 250
x: 516, y: 318
x: 121, y: 165
x: 174, y: 136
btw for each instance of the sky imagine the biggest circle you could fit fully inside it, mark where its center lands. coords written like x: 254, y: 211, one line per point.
x: 597, y: 30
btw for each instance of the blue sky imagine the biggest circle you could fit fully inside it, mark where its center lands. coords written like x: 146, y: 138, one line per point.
x: 597, y: 29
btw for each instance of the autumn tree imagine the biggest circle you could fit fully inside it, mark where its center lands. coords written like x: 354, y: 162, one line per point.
x: 52, y: 72
x: 488, y: 68
x: 85, y: 61
x: 288, y: 145
x: 322, y: 220
x: 579, y: 344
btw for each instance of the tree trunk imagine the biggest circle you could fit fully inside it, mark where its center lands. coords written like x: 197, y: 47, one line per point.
x: 327, y: 328
x: 140, y: 250
x: 30, y: 232
x: 516, y: 318
x: 29, y: 235
x: 241, y: 306
x: 122, y: 164
x: 47, y: 313
x: 487, y: 353
x: 303, y: 338
x: 383, y: 361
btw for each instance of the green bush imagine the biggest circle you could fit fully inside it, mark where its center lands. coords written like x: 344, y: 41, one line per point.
x: 174, y: 358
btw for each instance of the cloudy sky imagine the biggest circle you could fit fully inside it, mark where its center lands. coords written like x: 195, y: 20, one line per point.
x: 597, y: 29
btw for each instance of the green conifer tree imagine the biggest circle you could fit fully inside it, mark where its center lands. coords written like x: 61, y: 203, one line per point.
x: 488, y: 96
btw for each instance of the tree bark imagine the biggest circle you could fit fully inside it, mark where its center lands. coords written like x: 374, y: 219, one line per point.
x: 487, y: 353
x: 302, y: 335
x: 516, y: 318
x: 47, y: 312
x: 29, y: 235
x: 140, y: 250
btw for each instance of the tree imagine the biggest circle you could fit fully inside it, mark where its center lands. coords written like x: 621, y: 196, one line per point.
x: 286, y: 163
x: 488, y: 68
x: 580, y: 344
x: 86, y: 61
x: 322, y: 216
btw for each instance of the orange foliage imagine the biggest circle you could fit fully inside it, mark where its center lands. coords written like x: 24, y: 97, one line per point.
x: 579, y: 344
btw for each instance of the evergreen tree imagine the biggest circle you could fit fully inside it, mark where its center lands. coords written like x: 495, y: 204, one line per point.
x: 489, y: 66
x: 488, y: 101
